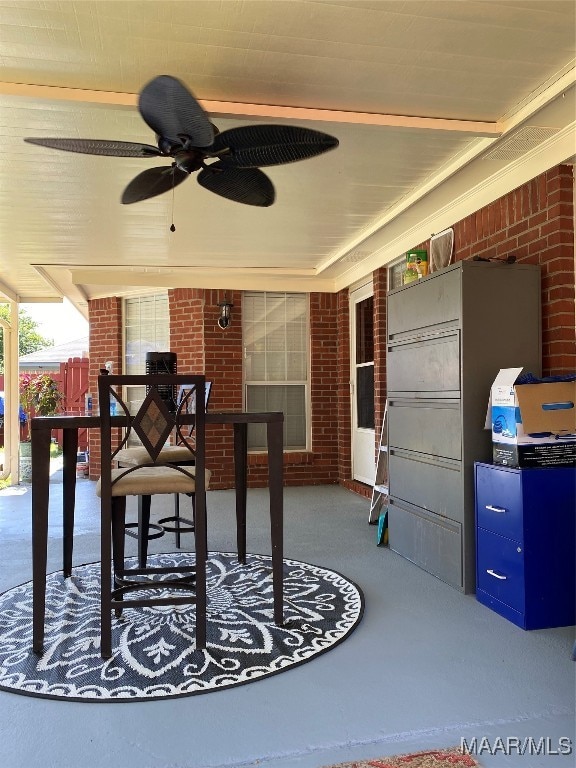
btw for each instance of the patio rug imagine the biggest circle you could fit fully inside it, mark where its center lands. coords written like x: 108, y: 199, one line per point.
x: 154, y: 650
x: 436, y: 758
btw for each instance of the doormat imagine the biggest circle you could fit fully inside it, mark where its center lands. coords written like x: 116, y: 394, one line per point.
x: 452, y: 757
x: 154, y: 648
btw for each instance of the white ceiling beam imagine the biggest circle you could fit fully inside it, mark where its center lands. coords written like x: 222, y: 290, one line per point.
x: 231, y: 109
x: 94, y: 280
x: 41, y: 300
x: 8, y: 293
x: 266, y: 112
x: 63, y: 287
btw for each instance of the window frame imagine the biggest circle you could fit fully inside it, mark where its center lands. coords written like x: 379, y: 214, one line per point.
x: 397, y: 266
x: 125, y: 299
x: 306, y: 383
x: 139, y: 296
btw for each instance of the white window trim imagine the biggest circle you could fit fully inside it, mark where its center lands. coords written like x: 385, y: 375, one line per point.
x: 139, y: 295
x: 401, y: 260
x: 125, y: 299
x: 307, y: 383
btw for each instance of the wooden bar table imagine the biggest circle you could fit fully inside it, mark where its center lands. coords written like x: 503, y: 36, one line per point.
x: 41, y: 430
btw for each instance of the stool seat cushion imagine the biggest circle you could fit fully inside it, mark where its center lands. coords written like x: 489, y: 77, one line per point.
x: 148, y: 481
x: 134, y: 457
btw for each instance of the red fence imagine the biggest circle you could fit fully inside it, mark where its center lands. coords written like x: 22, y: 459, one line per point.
x: 72, y: 380
x: 73, y: 376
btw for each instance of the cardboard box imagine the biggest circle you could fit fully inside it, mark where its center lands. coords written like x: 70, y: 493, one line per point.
x: 533, y: 425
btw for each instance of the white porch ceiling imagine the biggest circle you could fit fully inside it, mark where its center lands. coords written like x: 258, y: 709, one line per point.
x: 439, y: 107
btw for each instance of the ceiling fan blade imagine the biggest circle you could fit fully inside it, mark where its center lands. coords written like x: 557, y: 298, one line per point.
x: 99, y: 147
x: 153, y: 182
x: 249, y: 186
x: 169, y: 108
x: 261, y: 145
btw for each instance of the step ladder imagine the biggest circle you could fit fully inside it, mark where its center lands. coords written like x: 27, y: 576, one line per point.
x: 380, y: 494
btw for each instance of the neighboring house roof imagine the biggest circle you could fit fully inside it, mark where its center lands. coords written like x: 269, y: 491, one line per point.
x: 51, y: 357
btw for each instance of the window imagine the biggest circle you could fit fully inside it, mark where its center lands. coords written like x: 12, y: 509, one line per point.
x: 146, y: 329
x: 275, y: 334
x: 365, y: 363
x: 396, y: 273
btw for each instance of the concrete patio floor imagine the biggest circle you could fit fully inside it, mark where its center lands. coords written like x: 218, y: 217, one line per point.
x: 426, y: 667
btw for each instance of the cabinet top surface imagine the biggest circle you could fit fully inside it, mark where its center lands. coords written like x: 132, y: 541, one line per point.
x: 466, y: 266
x: 525, y: 470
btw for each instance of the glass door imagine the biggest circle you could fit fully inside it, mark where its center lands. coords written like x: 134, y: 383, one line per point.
x: 362, y: 383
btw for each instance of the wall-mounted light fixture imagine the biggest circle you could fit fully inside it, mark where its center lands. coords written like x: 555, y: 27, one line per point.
x: 225, y: 308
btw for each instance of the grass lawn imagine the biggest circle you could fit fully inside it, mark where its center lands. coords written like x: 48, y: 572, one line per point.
x: 55, y: 452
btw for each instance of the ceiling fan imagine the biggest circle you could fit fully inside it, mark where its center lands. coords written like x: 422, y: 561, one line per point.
x: 184, y: 133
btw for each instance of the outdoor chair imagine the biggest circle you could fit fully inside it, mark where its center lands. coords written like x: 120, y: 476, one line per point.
x: 180, y: 452
x: 152, y: 424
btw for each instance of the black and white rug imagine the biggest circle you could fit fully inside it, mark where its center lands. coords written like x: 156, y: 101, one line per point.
x: 154, y: 650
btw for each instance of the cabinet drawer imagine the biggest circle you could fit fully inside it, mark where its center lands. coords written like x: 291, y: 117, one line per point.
x: 504, y: 610
x: 428, y: 540
x: 425, y: 426
x: 431, y: 365
x: 499, y: 501
x: 433, y: 301
x: 500, y: 568
x: 427, y: 481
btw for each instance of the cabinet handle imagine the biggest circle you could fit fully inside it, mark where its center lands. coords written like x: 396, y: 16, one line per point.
x: 496, y: 575
x: 495, y: 509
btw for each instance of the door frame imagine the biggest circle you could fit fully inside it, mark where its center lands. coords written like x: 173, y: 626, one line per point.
x: 356, y: 294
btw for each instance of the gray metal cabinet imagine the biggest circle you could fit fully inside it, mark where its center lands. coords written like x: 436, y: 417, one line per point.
x: 448, y: 335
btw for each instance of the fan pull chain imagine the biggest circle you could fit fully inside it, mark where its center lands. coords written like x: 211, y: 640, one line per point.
x: 172, y: 227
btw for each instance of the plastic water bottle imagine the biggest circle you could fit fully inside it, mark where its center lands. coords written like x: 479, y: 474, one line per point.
x: 88, y: 404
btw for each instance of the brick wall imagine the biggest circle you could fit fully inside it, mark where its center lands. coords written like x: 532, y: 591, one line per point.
x: 223, y: 366
x: 187, y: 328
x: 202, y: 346
x: 535, y: 223
x: 105, y: 340
x: 199, y: 341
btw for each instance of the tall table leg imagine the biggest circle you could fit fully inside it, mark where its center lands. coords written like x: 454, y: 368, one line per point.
x: 144, y: 503
x: 40, y: 490
x: 106, y: 577
x: 276, y: 482
x: 201, y: 556
x: 241, y: 483
x: 70, y: 451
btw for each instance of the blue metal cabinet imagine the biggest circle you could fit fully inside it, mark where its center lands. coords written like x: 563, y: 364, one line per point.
x: 526, y: 544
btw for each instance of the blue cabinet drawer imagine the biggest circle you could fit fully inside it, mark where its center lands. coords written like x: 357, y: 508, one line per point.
x: 504, y: 610
x: 499, y: 501
x: 525, y: 553
x: 500, y: 568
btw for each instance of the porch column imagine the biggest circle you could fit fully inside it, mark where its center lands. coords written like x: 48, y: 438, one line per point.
x: 11, y: 395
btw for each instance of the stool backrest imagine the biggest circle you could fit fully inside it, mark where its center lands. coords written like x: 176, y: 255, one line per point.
x: 154, y: 422
x: 187, y: 390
